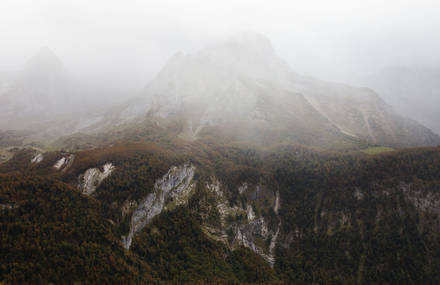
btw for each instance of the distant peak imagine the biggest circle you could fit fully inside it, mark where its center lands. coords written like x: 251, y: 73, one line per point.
x: 43, y: 69
x: 245, y: 55
x: 44, y: 60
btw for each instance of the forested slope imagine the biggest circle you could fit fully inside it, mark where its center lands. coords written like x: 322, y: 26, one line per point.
x: 338, y: 218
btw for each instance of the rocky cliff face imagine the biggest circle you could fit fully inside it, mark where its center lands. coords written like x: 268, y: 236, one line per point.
x: 37, y: 158
x: 171, y: 190
x: 90, y: 180
x: 247, y: 224
x: 241, y: 225
x: 64, y: 162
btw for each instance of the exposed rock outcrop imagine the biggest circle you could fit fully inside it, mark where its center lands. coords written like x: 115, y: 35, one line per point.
x: 237, y: 225
x: 8, y: 206
x: 255, y: 231
x: 173, y: 189
x: 426, y: 201
x: 65, y: 162
x: 90, y: 180
x: 37, y: 158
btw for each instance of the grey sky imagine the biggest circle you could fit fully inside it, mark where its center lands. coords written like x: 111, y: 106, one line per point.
x: 125, y: 43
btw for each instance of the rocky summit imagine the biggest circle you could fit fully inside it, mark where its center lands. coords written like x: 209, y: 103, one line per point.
x: 241, y: 89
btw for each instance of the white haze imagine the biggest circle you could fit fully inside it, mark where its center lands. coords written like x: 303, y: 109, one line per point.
x: 123, y: 44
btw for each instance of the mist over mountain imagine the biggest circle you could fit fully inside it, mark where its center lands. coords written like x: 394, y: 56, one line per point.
x: 240, y: 87
x: 414, y: 91
x: 44, y: 70
x: 47, y: 101
x: 152, y: 142
x: 37, y: 94
x: 237, y: 90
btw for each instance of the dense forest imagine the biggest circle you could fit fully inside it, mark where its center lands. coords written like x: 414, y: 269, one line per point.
x: 345, y: 218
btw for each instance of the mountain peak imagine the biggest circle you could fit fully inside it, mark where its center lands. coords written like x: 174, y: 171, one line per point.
x: 245, y: 55
x: 242, y: 81
x: 44, y: 69
x: 44, y: 61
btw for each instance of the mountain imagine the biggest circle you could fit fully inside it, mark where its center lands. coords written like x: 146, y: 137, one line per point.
x: 38, y: 91
x: 44, y: 71
x: 43, y: 101
x: 360, y: 112
x: 229, y: 168
x: 411, y: 90
x: 240, y: 90
x: 236, y: 91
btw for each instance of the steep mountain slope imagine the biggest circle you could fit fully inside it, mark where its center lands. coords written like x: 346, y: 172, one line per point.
x: 413, y: 91
x: 240, y: 90
x: 225, y: 93
x: 363, y: 114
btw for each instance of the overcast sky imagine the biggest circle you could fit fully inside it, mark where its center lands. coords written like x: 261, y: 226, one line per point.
x: 125, y: 43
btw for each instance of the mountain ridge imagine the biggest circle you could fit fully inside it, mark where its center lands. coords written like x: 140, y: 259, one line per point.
x: 237, y: 90
x: 235, y: 78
